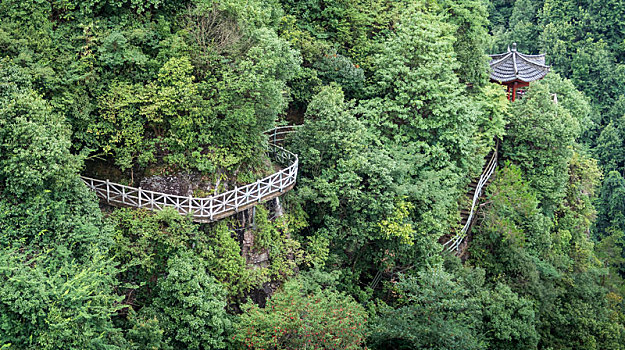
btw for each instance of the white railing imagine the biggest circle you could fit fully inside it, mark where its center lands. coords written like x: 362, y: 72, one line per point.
x: 219, y: 206
x: 454, y: 243
x: 278, y: 134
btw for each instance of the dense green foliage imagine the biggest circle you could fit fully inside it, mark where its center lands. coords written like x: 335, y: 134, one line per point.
x: 190, y: 306
x: 56, y: 279
x: 302, y: 316
x: 397, y: 115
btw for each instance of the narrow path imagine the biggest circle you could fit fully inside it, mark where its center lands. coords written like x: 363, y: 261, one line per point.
x: 475, y: 191
x: 213, y: 208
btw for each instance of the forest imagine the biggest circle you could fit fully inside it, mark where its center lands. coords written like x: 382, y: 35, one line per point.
x: 395, y: 116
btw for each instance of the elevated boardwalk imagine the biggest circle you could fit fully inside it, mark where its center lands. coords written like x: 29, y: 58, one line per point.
x: 213, y: 208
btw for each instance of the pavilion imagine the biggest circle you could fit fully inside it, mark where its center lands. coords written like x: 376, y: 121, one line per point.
x: 516, y: 70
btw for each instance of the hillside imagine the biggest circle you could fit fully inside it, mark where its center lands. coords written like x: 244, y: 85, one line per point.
x: 146, y: 201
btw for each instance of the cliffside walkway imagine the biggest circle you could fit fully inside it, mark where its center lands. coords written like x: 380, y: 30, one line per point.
x: 219, y: 206
x: 216, y: 207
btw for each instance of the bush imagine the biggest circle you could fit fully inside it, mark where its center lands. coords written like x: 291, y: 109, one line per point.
x: 191, y: 306
x: 294, y: 319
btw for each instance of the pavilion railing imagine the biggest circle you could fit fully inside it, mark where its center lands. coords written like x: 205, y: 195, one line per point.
x: 219, y: 206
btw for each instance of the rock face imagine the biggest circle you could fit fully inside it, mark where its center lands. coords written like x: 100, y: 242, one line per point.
x: 257, y: 258
x: 178, y: 185
x: 182, y: 185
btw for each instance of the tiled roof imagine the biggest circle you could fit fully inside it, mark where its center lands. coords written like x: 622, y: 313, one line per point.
x: 514, y: 65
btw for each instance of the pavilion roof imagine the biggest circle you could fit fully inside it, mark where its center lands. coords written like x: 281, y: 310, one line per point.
x: 513, y: 65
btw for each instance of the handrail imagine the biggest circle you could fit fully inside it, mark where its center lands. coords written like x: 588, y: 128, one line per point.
x: 219, y: 206
x: 279, y: 134
x: 454, y: 243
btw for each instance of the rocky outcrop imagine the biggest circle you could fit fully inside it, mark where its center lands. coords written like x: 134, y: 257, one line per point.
x: 183, y: 185
x: 257, y: 258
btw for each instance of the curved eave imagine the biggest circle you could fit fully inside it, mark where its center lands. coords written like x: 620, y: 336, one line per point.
x: 512, y: 66
x: 519, y: 79
x: 537, y: 61
x: 499, y: 59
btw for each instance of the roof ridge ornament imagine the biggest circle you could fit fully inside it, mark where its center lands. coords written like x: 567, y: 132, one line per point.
x: 513, y: 47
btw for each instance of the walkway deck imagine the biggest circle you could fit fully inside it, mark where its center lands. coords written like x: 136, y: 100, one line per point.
x: 213, y: 208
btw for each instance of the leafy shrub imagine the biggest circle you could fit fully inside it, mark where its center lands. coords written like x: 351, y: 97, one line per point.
x: 337, y: 68
x: 190, y: 304
x: 295, y: 319
x: 435, y: 312
x: 49, y: 303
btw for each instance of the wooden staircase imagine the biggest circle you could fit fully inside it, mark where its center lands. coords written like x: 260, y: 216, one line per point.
x: 474, y: 193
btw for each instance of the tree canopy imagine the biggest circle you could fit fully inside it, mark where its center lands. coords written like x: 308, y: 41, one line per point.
x: 395, y: 115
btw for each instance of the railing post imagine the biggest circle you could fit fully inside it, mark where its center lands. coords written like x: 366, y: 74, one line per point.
x: 190, y: 204
x: 210, y: 208
x: 236, y: 199
x: 139, y: 195
x: 108, y: 195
